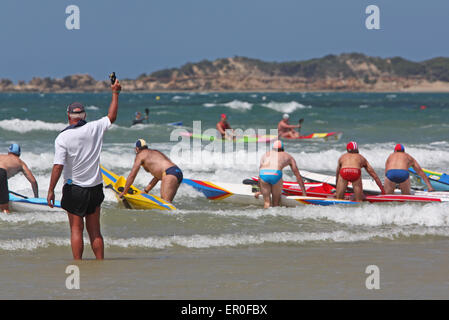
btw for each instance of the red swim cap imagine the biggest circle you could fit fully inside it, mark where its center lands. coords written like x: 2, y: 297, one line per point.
x: 352, y: 146
x: 223, y: 116
x: 399, y: 147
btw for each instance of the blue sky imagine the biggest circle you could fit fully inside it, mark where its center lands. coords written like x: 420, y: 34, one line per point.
x: 141, y: 36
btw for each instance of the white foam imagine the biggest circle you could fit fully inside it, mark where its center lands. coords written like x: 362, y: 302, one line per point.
x: 234, y: 104
x: 239, y: 105
x: 285, y: 107
x: 198, y: 241
x: 180, y: 98
x: 34, y: 217
x: 23, y: 126
x: 369, y: 215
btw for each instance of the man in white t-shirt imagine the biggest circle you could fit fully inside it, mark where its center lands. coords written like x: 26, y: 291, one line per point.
x: 77, y: 156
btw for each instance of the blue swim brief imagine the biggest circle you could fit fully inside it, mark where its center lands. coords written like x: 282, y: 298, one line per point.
x: 175, y: 171
x: 398, y: 175
x: 270, y: 176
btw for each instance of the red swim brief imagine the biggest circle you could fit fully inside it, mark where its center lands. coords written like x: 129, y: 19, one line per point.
x: 350, y: 174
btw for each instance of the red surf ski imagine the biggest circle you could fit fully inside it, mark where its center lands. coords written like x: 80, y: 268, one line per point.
x: 325, y: 190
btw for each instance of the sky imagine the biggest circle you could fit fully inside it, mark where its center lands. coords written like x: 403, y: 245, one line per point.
x: 142, y: 36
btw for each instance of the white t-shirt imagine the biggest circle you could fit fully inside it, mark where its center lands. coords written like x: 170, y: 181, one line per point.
x: 79, y: 150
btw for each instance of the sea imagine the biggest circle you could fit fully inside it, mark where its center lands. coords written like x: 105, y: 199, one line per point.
x: 216, y: 250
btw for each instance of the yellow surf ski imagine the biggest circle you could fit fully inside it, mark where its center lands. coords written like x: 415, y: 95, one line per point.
x: 135, y: 199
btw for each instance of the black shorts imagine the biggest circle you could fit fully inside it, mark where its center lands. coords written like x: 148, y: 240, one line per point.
x: 81, y: 201
x: 4, y: 192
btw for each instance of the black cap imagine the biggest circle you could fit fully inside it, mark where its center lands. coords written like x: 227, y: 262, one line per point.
x: 75, y: 107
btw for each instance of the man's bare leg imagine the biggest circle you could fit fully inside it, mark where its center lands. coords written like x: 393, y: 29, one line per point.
x: 4, y: 208
x: 341, y: 188
x: 93, y: 229
x: 265, y: 189
x: 405, y: 187
x: 358, y: 189
x: 276, y: 191
x: 389, y: 186
x: 76, y: 235
x: 169, y: 187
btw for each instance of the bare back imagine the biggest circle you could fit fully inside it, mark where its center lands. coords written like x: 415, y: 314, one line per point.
x: 11, y: 163
x: 352, y: 160
x: 275, y: 160
x: 154, y: 162
x: 399, y: 160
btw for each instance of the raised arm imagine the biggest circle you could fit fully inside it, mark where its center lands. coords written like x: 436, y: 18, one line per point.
x: 373, y: 174
x: 27, y: 172
x: 297, y: 174
x: 113, y: 107
x: 422, y: 174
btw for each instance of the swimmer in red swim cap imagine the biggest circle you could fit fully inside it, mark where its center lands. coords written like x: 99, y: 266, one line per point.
x: 349, y: 170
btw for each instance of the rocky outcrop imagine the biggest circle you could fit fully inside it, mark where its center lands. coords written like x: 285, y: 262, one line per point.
x: 345, y: 72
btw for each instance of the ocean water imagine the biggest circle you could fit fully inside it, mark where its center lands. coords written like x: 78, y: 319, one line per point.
x: 226, y: 251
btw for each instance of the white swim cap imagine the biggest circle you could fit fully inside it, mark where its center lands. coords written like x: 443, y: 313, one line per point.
x: 285, y: 116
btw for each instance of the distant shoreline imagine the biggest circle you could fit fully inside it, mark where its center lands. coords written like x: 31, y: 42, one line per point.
x: 350, y: 72
x: 226, y: 91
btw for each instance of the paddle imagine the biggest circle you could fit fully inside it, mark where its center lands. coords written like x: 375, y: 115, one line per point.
x: 125, y: 202
x: 300, y: 123
x: 147, y: 111
x: 18, y: 194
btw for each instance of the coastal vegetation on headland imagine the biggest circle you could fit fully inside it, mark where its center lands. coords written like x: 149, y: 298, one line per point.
x: 344, y: 72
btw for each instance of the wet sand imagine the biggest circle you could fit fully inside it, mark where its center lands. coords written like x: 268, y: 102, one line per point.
x: 407, y: 271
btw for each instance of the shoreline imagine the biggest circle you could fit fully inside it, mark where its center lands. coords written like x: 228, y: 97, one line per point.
x: 234, y: 91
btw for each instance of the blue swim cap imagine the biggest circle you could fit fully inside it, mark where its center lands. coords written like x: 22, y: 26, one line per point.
x: 14, y: 148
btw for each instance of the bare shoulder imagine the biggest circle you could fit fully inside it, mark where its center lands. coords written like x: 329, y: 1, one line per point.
x: 410, y: 158
x: 343, y: 157
x: 363, y: 160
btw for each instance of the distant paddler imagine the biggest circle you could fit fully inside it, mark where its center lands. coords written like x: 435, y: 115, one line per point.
x: 10, y: 165
x: 224, y: 129
x: 159, y: 166
x: 349, y: 170
x: 138, y: 117
x: 286, y: 130
x: 396, y: 171
x: 270, y: 174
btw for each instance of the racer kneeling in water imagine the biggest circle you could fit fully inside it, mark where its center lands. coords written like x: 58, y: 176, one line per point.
x: 270, y: 174
x: 10, y: 165
x: 349, y: 170
x: 396, y: 171
x: 158, y: 165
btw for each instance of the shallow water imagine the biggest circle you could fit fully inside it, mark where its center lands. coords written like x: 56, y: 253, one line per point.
x: 209, y: 250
